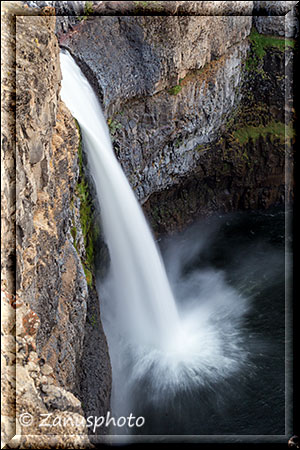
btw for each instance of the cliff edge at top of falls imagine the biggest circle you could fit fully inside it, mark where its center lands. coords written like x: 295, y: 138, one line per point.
x: 198, y: 108
x: 132, y: 57
x: 163, y: 81
x: 171, y: 86
x: 70, y: 13
x: 46, y: 297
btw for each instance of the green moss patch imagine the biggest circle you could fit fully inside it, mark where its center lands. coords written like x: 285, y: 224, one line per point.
x: 261, y: 42
x: 274, y: 129
x: 175, y: 89
x: 88, y: 8
x: 93, y: 319
x: 88, y: 228
x: 113, y: 126
x: 155, y: 6
x: 259, y: 45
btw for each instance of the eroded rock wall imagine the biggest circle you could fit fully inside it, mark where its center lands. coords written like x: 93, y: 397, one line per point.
x: 250, y: 165
x: 276, y: 18
x: 205, y: 8
x: 44, y: 357
x: 198, y: 122
x: 172, y: 87
x: 8, y: 215
x: 166, y: 83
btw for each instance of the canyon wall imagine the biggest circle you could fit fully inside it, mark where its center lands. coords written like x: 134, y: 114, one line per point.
x: 250, y: 164
x: 58, y: 323
x: 180, y: 93
x: 162, y: 97
x: 199, y: 107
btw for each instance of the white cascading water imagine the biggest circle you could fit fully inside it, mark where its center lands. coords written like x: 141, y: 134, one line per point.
x: 148, y: 338
x: 135, y: 258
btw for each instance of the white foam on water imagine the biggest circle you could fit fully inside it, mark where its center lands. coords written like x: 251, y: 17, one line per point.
x: 150, y: 339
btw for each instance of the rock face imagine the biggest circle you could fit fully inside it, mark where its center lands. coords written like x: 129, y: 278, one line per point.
x: 67, y: 12
x: 273, y: 8
x: 276, y: 18
x: 162, y: 97
x: 128, y: 58
x: 171, y: 87
x: 199, y: 110
x: 53, y: 297
x: 205, y: 8
x: 250, y: 164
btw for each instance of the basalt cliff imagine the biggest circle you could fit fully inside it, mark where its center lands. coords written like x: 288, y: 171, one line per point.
x: 198, y: 98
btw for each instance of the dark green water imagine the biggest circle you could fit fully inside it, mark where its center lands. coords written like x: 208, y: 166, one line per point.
x: 248, y: 249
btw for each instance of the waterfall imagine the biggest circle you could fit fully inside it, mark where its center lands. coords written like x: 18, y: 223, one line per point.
x: 159, y: 348
x: 177, y: 362
x: 146, y: 303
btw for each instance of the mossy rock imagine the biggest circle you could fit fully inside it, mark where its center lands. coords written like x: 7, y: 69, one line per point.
x: 89, y: 229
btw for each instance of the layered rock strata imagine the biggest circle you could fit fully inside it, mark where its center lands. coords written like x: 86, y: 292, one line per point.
x: 250, y: 164
x: 170, y: 101
x: 45, y: 356
x: 162, y: 97
x: 199, y: 109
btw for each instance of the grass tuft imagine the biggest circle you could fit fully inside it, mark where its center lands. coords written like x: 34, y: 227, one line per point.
x: 175, y: 90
